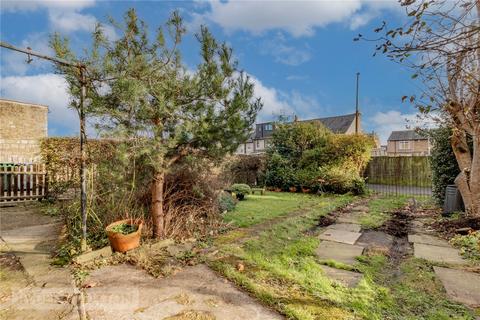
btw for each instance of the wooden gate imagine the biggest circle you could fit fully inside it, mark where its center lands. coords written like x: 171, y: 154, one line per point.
x: 22, y: 182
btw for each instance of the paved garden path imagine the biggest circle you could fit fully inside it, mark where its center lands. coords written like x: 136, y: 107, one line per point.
x: 127, y: 292
x: 344, y: 241
x: 48, y: 292
x: 461, y: 285
x: 339, y: 245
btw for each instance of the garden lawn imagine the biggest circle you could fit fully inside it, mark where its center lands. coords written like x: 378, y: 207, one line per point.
x: 279, y: 267
x: 259, y: 208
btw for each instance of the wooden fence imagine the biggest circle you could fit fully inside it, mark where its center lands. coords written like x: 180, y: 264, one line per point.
x: 400, y: 175
x: 21, y: 182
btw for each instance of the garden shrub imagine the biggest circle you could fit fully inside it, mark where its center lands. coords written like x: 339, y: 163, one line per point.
x: 119, y: 188
x: 247, y: 169
x: 307, y: 155
x: 226, y: 202
x: 240, y: 190
x: 443, y: 162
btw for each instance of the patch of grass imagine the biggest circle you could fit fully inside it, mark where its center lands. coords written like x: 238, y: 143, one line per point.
x: 280, y: 269
x: 258, y: 208
x: 415, y: 294
x: 379, y: 209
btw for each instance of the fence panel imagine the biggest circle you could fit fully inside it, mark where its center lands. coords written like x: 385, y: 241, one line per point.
x: 21, y: 182
x: 406, y: 175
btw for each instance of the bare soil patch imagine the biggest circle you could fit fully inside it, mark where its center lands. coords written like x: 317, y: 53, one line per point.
x: 11, y: 262
x: 449, y: 227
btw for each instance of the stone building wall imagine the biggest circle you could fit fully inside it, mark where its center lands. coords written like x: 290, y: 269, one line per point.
x: 22, y: 125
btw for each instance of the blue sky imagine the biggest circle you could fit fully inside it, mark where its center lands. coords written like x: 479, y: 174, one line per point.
x: 299, y: 54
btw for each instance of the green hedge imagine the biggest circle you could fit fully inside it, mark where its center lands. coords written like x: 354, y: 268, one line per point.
x: 307, y: 156
x: 444, y: 164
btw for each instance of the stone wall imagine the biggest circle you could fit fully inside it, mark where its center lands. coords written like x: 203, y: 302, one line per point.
x: 22, y: 125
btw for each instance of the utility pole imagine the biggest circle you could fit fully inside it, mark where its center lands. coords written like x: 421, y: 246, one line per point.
x: 83, y: 82
x: 357, y: 114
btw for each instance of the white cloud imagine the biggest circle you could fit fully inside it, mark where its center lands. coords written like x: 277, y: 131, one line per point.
x: 386, y: 122
x: 299, y: 18
x: 274, y: 101
x: 15, y: 63
x: 32, y: 5
x: 63, y: 15
x: 46, y: 89
x: 277, y: 102
x: 283, y: 53
x: 69, y: 21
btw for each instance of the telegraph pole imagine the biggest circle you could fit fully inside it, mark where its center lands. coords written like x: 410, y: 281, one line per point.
x: 83, y: 82
x: 357, y: 114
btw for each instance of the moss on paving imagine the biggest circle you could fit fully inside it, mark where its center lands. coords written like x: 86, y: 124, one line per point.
x: 280, y: 268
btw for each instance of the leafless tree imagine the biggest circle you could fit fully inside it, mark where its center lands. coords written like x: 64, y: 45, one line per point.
x: 441, y: 43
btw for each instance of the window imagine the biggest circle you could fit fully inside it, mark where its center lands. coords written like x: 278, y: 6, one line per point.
x: 404, y: 145
x: 268, y: 127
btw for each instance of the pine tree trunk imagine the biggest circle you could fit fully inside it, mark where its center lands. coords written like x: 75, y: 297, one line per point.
x: 158, y: 216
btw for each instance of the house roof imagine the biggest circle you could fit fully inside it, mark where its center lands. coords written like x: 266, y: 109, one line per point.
x: 3, y: 100
x: 406, y: 135
x: 337, y: 124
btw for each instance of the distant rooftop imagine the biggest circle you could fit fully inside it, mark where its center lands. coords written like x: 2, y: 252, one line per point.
x: 406, y: 135
x: 337, y: 124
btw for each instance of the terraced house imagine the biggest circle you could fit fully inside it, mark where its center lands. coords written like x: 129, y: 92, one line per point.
x: 259, y: 140
x: 408, y: 143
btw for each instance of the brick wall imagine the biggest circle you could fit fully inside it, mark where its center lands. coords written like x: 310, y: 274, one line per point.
x: 22, y: 125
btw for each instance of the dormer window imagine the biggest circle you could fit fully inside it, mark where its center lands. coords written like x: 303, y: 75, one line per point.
x: 268, y: 127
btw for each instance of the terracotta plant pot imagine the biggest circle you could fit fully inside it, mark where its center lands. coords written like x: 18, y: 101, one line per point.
x: 293, y: 189
x: 305, y: 190
x: 277, y: 190
x: 124, y: 242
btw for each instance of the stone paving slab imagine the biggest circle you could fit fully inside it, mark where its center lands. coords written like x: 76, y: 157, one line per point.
x: 371, y: 238
x: 461, y: 286
x: 353, y: 218
x: 346, y: 226
x: 42, y: 232
x: 342, y: 236
x: 30, y: 236
x: 427, y: 239
x: 126, y: 292
x: 437, y: 254
x: 341, y: 252
x: 347, y: 278
x: 360, y: 208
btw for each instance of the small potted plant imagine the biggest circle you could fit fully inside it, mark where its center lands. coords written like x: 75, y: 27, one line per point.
x: 306, y: 190
x: 124, y: 235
